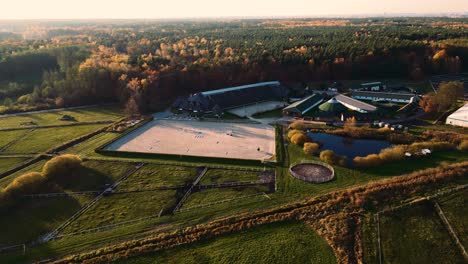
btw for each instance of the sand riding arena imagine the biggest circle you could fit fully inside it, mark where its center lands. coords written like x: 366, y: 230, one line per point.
x: 249, y: 141
x: 312, y: 171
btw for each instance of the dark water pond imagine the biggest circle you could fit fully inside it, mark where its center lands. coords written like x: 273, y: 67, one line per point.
x: 349, y: 147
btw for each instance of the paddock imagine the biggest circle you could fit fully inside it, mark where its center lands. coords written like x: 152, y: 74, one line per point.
x: 199, y: 138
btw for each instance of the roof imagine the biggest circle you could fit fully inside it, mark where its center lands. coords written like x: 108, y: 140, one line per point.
x: 333, y: 105
x: 402, y: 96
x: 224, y: 90
x: 371, y: 83
x: 461, y: 114
x: 355, y: 103
x: 305, y: 104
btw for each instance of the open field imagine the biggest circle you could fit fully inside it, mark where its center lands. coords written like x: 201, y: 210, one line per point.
x: 456, y: 211
x: 87, y: 147
x: 103, y: 113
x: 121, y: 207
x: 286, y: 242
x: 205, y: 139
x: 154, y: 175
x: 253, y: 109
x: 7, y: 163
x: 416, y: 234
x: 216, y: 176
x: 205, y: 197
x: 43, y: 139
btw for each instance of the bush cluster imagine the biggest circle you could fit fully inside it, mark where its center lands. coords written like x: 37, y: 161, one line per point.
x: 54, y: 170
x: 463, y: 145
x: 298, y: 137
x: 332, y: 158
x: 398, y: 153
x: 311, y: 148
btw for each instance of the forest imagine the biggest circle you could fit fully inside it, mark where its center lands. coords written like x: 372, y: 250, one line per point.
x: 47, y: 64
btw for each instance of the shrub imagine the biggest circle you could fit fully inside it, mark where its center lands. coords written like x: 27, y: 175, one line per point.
x: 330, y: 157
x: 61, y: 166
x: 432, y: 145
x: 370, y: 160
x: 393, y: 153
x: 463, y: 146
x: 299, y: 125
x: 25, y: 184
x: 311, y: 148
x: 291, y: 133
x: 299, y: 139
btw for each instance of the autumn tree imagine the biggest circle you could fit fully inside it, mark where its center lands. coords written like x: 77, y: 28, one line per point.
x: 448, y: 94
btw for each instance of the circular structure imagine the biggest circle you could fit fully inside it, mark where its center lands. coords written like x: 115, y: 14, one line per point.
x: 312, y: 171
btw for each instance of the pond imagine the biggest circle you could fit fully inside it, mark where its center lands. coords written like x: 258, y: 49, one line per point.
x: 349, y: 147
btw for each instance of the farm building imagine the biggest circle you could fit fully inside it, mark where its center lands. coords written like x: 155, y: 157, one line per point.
x: 233, y: 97
x: 303, y: 106
x: 373, y: 86
x: 354, y: 104
x: 384, y: 96
x: 459, y: 117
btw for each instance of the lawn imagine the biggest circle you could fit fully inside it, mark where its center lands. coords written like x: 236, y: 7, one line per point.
x: 43, y: 139
x: 456, y: 211
x: 103, y: 113
x: 87, y: 147
x: 417, y: 235
x: 10, y: 163
x: 121, y: 207
x: 32, y: 218
x: 7, y: 137
x: 215, y: 176
x: 213, y: 195
x: 286, y: 242
x: 155, y: 175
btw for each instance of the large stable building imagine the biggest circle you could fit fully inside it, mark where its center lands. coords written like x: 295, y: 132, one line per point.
x: 384, y: 96
x: 223, y: 99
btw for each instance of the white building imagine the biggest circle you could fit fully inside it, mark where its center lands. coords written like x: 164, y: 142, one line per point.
x: 459, y: 117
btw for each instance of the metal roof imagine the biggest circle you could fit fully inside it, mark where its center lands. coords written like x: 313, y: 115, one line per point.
x: 355, y: 103
x: 224, y: 90
x: 403, y: 96
x: 303, y: 105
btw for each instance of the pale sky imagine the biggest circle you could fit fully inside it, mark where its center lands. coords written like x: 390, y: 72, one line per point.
x: 72, y: 9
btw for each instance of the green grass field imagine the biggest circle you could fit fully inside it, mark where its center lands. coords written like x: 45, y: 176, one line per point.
x: 215, y: 176
x: 93, y: 114
x: 213, y: 195
x: 155, y: 175
x: 43, y: 139
x: 117, y: 208
x: 456, y: 211
x: 7, y: 163
x: 417, y: 235
x: 87, y: 147
x: 8, y: 137
x: 286, y: 242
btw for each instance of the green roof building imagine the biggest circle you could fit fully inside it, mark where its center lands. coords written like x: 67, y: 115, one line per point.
x: 333, y: 106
